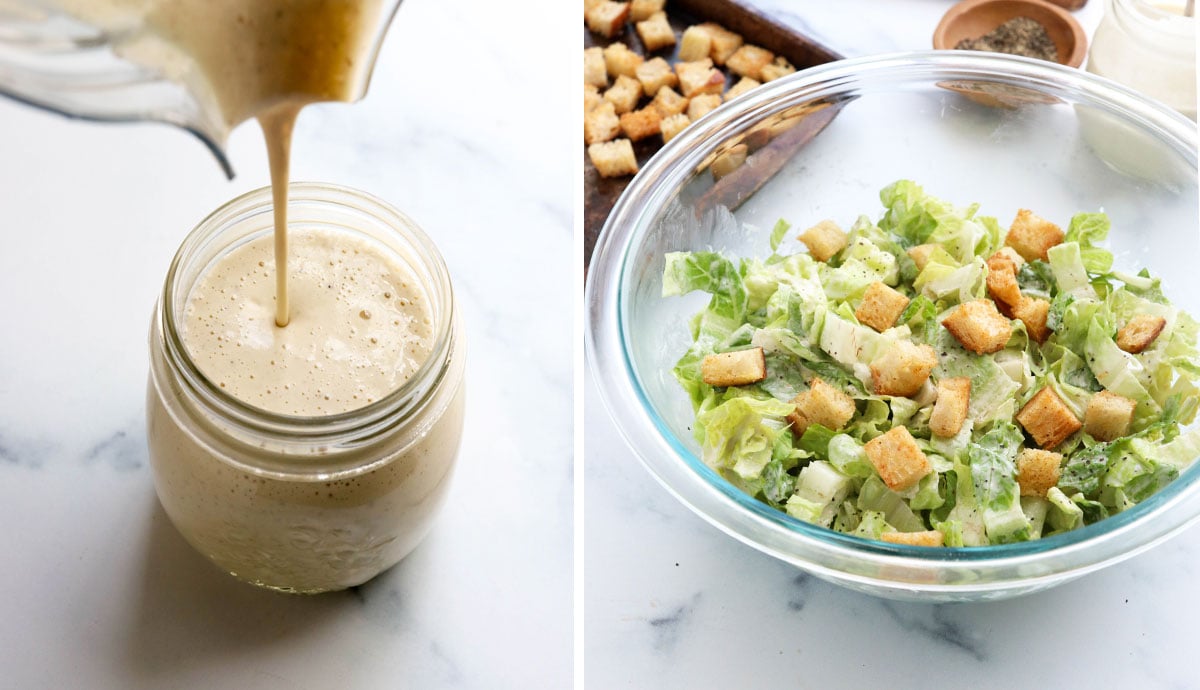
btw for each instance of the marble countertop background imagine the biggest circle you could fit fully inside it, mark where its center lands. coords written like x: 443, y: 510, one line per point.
x: 672, y: 602
x: 97, y: 589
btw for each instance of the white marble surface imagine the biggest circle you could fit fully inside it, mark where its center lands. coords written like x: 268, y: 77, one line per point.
x: 671, y: 602
x: 97, y: 590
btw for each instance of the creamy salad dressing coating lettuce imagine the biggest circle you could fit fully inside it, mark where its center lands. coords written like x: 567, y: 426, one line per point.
x: 802, y: 313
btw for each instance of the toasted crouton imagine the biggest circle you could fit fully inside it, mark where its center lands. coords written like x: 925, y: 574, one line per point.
x: 591, y: 98
x: 641, y: 123
x: 668, y: 102
x: 1012, y: 254
x: 920, y: 254
x: 1032, y: 236
x: 613, y: 158
x: 1048, y: 419
x: 821, y: 404
x: 880, y: 306
x: 624, y: 94
x: 607, y: 18
x: 736, y: 368
x: 724, y: 42
x: 601, y: 124
x: 950, y: 410
x: 696, y: 44
x: 595, y: 71
x: 902, y: 369
x: 1037, y: 471
x: 641, y: 10
x: 780, y: 68
x: 701, y: 105
x: 699, y: 77
x: 824, y: 240
x: 744, y: 85
x: 1002, y: 280
x: 1108, y: 416
x: 673, y: 125
x: 1140, y: 333
x: 897, y: 458
x: 588, y: 5
x: 929, y: 538
x: 1034, y: 312
x: 978, y: 326
x: 730, y: 159
x: 655, y: 74
x: 749, y: 60
x: 619, y: 60
x: 656, y: 32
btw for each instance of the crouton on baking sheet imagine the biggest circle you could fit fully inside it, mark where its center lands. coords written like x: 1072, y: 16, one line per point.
x: 779, y: 68
x: 641, y: 10
x: 655, y: 74
x: 699, y: 77
x: 701, y: 105
x: 640, y: 124
x: 672, y: 125
x: 748, y: 61
x: 624, y: 94
x: 613, y: 158
x: 607, y: 18
x: 695, y: 44
x: 656, y: 32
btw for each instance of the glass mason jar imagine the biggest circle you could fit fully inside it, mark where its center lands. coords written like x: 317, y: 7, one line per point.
x: 1151, y: 47
x: 293, y: 503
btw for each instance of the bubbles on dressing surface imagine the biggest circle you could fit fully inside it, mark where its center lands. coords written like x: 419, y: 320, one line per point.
x: 360, y: 325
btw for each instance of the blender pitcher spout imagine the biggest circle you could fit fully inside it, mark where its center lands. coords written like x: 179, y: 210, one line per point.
x: 54, y: 62
x: 161, y: 60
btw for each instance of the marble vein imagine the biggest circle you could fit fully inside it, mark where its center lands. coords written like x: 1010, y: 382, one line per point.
x: 668, y: 629
x: 941, y: 628
x: 26, y: 453
x: 123, y: 451
x: 800, y: 592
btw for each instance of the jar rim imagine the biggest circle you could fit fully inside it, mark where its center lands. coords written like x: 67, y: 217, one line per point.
x: 347, y: 429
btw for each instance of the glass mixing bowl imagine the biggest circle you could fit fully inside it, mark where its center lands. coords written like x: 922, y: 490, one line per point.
x: 1002, y: 131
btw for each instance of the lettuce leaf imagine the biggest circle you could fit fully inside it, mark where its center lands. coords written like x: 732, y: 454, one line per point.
x: 993, y: 475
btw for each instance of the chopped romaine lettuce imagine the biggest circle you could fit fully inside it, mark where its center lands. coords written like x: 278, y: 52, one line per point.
x: 802, y: 313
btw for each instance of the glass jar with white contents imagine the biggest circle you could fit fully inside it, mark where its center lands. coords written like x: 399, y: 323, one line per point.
x: 1151, y: 47
x: 305, y: 502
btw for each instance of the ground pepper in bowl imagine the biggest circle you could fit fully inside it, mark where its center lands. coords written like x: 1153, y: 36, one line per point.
x: 1018, y: 36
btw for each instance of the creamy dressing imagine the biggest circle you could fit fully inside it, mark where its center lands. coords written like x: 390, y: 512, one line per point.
x: 360, y: 328
x: 277, y: 125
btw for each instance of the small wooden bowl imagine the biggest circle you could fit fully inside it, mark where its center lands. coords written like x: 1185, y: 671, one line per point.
x: 974, y: 18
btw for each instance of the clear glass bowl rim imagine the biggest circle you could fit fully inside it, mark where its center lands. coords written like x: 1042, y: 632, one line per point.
x: 1121, y: 536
